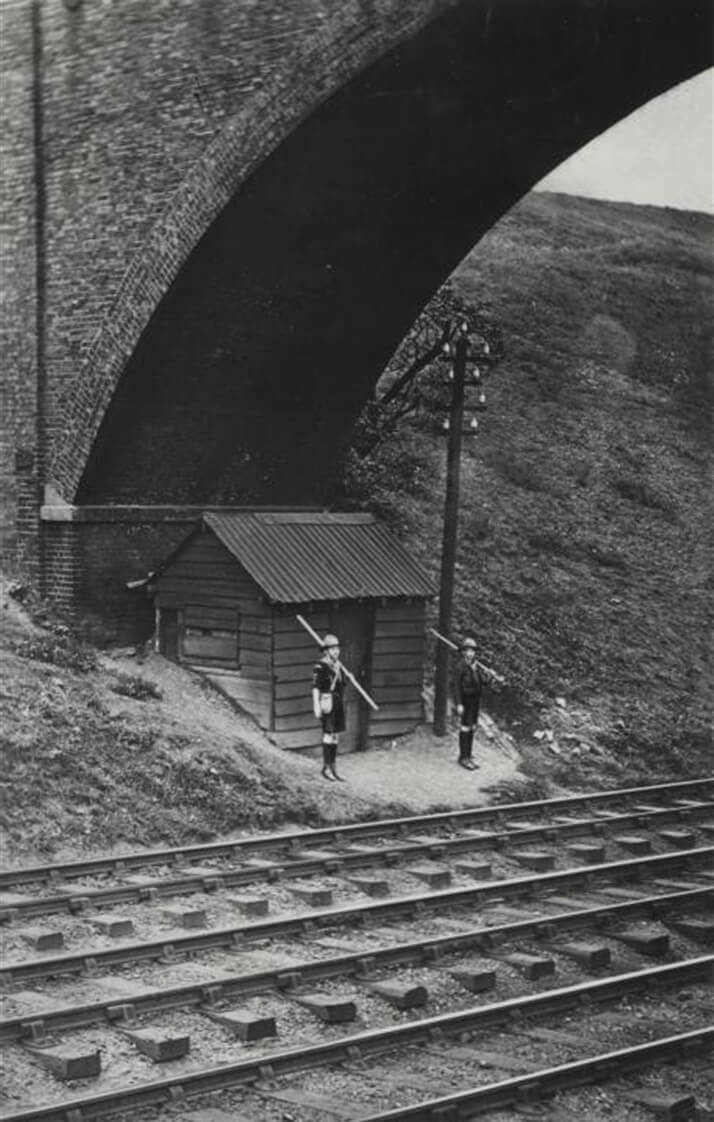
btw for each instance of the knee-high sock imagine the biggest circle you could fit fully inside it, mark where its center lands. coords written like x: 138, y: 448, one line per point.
x: 469, y: 743
x: 463, y: 745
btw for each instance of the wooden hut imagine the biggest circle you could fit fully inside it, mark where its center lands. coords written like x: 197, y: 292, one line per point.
x: 227, y: 602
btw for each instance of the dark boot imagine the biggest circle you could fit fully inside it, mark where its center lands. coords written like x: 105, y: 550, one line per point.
x: 326, y: 762
x: 463, y: 749
x: 333, y: 759
x: 469, y: 749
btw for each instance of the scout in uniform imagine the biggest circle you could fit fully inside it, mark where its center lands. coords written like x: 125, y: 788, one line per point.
x: 469, y: 680
x: 328, y: 687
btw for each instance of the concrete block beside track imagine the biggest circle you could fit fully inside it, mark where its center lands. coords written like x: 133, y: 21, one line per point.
x: 531, y: 966
x: 680, y: 839
x: 590, y: 852
x: 158, y: 1045
x: 315, y: 897
x: 183, y: 916
x: 473, y: 868
x: 10, y: 904
x: 334, y: 1010
x: 401, y: 995
x: 676, y: 1108
x: 651, y: 941
x: 474, y: 976
x: 107, y: 923
x: 68, y: 1061
x: 372, y: 886
x: 434, y: 876
x: 535, y: 859
x: 41, y: 938
x: 246, y: 1025
x: 633, y: 843
x: 250, y: 906
x: 590, y: 955
x: 700, y: 929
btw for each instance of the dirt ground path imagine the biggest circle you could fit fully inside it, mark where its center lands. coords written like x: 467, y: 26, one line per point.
x: 421, y: 769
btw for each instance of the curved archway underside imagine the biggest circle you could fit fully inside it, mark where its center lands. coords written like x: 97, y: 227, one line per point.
x: 249, y: 376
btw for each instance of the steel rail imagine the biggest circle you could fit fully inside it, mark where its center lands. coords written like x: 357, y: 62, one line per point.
x: 305, y: 866
x: 488, y: 941
x: 462, y: 1105
x: 372, y: 1042
x: 395, y: 907
x: 351, y: 831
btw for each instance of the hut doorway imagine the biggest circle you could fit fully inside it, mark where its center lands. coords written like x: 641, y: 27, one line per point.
x: 353, y: 624
x: 169, y: 633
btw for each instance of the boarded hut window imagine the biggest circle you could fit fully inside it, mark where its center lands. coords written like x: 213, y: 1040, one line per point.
x: 210, y: 634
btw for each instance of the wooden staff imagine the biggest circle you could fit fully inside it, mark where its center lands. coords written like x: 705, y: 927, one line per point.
x: 350, y: 677
x: 487, y: 669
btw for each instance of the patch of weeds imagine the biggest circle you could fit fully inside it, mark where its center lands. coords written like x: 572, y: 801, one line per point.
x: 551, y: 543
x: 58, y: 649
x: 637, y: 491
x: 606, y: 557
x: 584, y: 472
x: 519, y: 791
x: 136, y: 687
x: 520, y: 473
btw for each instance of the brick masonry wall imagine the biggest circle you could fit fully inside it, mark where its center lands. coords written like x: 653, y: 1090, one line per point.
x: 90, y: 561
x: 155, y: 113
x: 19, y: 458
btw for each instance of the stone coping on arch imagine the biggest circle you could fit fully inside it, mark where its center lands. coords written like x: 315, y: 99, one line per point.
x: 65, y: 512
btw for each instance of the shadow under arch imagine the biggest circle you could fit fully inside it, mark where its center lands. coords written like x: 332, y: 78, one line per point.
x: 258, y: 358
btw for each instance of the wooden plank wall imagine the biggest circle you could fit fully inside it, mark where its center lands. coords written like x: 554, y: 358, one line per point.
x: 396, y: 678
x: 210, y: 588
x: 397, y: 667
x: 252, y: 694
x: 294, y: 655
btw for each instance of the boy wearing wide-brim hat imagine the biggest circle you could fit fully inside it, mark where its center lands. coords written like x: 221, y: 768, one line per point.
x: 328, y: 687
x: 469, y: 680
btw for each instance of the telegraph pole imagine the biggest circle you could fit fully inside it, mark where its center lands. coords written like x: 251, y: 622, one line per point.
x: 451, y: 518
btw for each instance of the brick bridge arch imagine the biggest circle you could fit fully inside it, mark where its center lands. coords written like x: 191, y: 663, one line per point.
x: 249, y: 330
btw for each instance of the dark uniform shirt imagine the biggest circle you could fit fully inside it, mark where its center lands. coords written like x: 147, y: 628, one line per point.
x: 328, y: 678
x: 468, y: 682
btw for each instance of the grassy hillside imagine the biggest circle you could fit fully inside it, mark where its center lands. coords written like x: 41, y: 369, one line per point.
x: 585, y: 543
x: 583, y: 568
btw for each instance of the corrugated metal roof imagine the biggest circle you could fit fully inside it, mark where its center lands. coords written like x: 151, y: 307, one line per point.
x: 296, y: 557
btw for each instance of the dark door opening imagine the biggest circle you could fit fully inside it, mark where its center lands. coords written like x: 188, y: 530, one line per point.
x: 352, y: 623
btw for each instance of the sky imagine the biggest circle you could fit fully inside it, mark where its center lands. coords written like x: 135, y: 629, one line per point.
x: 662, y: 154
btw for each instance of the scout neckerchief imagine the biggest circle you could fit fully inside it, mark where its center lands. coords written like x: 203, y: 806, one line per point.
x: 334, y: 668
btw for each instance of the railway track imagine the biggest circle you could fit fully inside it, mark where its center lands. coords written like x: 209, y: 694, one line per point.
x: 305, y: 862
x: 681, y: 800
x: 354, y: 981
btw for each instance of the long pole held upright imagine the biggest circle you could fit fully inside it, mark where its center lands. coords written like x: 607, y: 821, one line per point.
x: 451, y: 520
